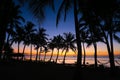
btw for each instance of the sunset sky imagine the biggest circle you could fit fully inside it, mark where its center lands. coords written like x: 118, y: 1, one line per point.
x: 50, y: 25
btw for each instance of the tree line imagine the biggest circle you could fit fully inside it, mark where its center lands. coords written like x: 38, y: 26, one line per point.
x: 95, y: 21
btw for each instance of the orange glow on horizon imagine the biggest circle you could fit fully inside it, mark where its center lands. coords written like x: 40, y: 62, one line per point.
x: 101, y: 51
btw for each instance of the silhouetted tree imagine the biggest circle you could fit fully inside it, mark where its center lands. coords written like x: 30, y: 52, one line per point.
x: 84, y: 36
x: 58, y: 44
x: 19, y: 36
x: 41, y: 40
x: 15, y: 20
x: 29, y: 30
x: 51, y: 46
x: 68, y: 43
x: 9, y: 14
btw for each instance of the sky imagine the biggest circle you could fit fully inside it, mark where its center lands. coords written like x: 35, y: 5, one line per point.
x: 50, y: 25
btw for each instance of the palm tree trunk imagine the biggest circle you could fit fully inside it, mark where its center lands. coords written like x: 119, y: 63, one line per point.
x: 57, y: 56
x: 2, y: 38
x: 51, y: 55
x: 36, y: 54
x: 84, y: 54
x: 18, y: 49
x: 64, y: 57
x: 45, y: 56
x: 79, y: 56
x: 24, y: 51
x: 112, y: 64
x: 111, y: 44
x: 40, y: 53
x: 95, y: 54
x: 111, y: 56
x: 31, y: 52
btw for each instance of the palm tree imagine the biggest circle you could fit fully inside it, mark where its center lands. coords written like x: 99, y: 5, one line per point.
x: 51, y: 46
x: 18, y: 37
x: 58, y: 44
x: 107, y: 14
x: 68, y: 43
x: 84, y: 36
x: 15, y: 20
x: 29, y: 30
x: 41, y: 40
x: 65, y: 7
x: 45, y: 50
x: 9, y: 15
x: 8, y: 50
x: 94, y: 33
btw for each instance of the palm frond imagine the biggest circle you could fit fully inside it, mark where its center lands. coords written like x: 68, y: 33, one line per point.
x: 60, y: 10
x: 117, y: 38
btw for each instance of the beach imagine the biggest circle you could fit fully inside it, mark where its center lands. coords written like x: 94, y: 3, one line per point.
x: 51, y: 71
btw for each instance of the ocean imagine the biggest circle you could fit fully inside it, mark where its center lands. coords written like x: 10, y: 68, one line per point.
x: 89, y: 60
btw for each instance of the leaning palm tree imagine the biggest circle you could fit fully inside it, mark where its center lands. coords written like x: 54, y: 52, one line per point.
x: 41, y: 40
x: 51, y: 46
x: 84, y: 36
x: 18, y: 37
x: 16, y: 20
x: 9, y: 15
x: 58, y: 44
x: 29, y: 30
x: 45, y: 50
x: 107, y: 15
x: 65, y: 8
x: 68, y: 43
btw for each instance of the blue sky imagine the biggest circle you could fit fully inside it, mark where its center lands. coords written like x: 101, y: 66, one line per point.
x: 49, y: 22
x: 50, y: 25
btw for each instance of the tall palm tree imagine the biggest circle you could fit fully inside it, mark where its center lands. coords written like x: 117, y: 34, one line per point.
x: 94, y: 33
x: 84, y: 36
x: 15, y: 20
x: 68, y: 43
x: 58, y: 44
x: 51, y: 46
x: 41, y: 40
x: 18, y: 37
x: 65, y: 7
x: 9, y: 15
x: 45, y: 50
x: 4, y: 20
x: 107, y: 14
x: 29, y: 30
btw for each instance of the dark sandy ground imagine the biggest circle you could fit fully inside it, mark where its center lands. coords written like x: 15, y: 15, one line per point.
x: 51, y: 71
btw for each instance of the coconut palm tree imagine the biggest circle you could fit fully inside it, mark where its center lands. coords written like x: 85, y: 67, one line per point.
x: 84, y: 36
x: 15, y: 20
x: 19, y: 36
x: 65, y: 7
x: 68, y: 43
x: 58, y: 40
x: 41, y: 40
x: 106, y: 14
x: 29, y: 30
x: 45, y: 50
x: 51, y: 46
x: 4, y: 20
x: 9, y: 16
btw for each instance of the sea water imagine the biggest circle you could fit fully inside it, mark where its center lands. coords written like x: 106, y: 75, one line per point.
x: 104, y: 60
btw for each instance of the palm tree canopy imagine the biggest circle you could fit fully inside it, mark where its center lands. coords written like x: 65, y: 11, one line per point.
x: 37, y: 7
x: 69, y: 42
